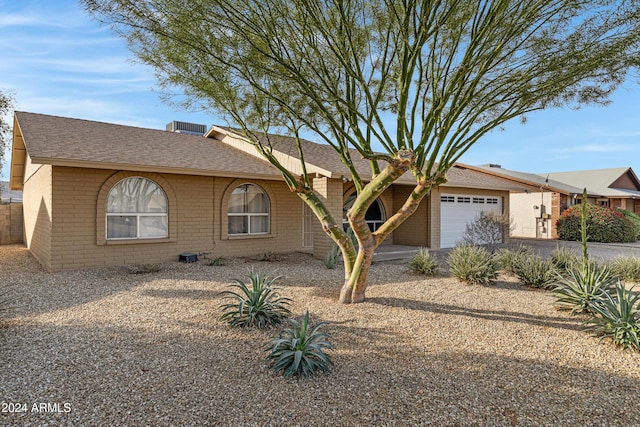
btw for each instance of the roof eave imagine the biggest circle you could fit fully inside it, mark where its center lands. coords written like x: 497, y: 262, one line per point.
x: 152, y: 168
x: 532, y: 185
x: 18, y: 157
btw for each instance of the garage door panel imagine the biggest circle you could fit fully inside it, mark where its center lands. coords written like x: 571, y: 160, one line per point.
x: 457, y: 210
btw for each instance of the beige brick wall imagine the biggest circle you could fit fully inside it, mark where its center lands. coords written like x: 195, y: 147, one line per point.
x: 330, y: 191
x: 37, y: 211
x: 197, y: 220
x: 11, y: 223
x: 414, y: 231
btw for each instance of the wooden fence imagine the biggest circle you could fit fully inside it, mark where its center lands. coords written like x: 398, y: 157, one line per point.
x: 11, y: 224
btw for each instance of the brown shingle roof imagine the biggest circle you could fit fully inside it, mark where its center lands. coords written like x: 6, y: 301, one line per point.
x: 83, y: 143
x: 74, y: 142
x: 324, y: 157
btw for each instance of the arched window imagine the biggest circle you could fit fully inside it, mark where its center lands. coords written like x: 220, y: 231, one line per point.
x: 248, y: 210
x: 137, y: 208
x: 374, y: 216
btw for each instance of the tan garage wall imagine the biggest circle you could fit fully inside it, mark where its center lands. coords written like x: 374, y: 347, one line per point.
x: 415, y: 230
x: 423, y: 227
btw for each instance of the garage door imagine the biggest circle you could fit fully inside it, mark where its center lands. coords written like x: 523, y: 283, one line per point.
x: 457, y: 210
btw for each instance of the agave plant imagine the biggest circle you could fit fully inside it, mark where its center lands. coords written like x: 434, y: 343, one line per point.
x: 332, y: 257
x: 583, y: 287
x: 299, y: 350
x: 618, y: 317
x: 259, y: 305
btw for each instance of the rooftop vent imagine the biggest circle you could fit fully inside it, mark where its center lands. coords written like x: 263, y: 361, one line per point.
x: 492, y: 165
x: 188, y: 128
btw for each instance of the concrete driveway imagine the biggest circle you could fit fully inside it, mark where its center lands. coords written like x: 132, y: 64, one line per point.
x: 596, y: 250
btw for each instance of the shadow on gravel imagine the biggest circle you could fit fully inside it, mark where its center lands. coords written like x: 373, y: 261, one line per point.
x: 196, y: 294
x: 504, y: 316
x: 132, y: 376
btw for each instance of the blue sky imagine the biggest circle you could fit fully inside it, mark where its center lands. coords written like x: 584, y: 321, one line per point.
x: 56, y: 60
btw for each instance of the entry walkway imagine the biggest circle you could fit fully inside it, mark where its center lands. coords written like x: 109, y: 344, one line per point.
x: 544, y: 247
x: 394, y: 252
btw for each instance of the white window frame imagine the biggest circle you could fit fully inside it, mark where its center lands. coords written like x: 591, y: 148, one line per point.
x: 137, y: 215
x: 250, y: 215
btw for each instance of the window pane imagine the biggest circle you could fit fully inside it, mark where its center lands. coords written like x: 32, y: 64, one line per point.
x: 154, y: 202
x: 256, y: 200
x: 136, y: 195
x: 153, y: 227
x: 238, y: 225
x: 121, y: 227
x: 259, y: 224
x: 237, y: 200
x: 374, y: 213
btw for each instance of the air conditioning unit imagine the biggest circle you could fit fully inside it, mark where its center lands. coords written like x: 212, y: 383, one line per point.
x: 188, y: 128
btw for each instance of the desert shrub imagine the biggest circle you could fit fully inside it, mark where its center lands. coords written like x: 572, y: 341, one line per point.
x: 603, y: 225
x: 299, y: 350
x: 617, y: 317
x: 332, y: 257
x: 626, y: 268
x: 486, y: 229
x: 564, y: 258
x: 634, y: 218
x: 507, y: 258
x: 215, y: 262
x: 144, y: 268
x: 535, y: 271
x: 270, y: 257
x: 258, y: 305
x: 424, y: 262
x: 583, y: 287
x: 473, y: 264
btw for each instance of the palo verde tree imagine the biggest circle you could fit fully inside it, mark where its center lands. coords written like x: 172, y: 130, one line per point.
x: 408, y: 85
x: 6, y: 107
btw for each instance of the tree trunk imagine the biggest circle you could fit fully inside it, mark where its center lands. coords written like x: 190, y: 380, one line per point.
x: 355, y: 284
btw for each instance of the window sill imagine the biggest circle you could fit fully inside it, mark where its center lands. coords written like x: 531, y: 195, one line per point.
x: 249, y: 236
x: 138, y: 241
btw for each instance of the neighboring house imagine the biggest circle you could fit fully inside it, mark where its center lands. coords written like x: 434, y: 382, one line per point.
x: 615, y: 187
x: 535, y: 214
x: 98, y: 194
x: 8, y: 196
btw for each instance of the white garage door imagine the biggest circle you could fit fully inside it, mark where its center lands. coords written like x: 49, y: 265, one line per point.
x: 457, y: 210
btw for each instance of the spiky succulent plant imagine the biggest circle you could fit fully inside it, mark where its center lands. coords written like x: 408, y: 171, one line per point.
x: 617, y: 317
x: 259, y: 304
x: 299, y: 350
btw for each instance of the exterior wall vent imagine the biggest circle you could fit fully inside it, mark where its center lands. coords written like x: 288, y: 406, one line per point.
x: 188, y: 128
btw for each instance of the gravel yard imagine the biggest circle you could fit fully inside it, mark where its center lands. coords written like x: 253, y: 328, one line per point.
x: 108, y: 347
